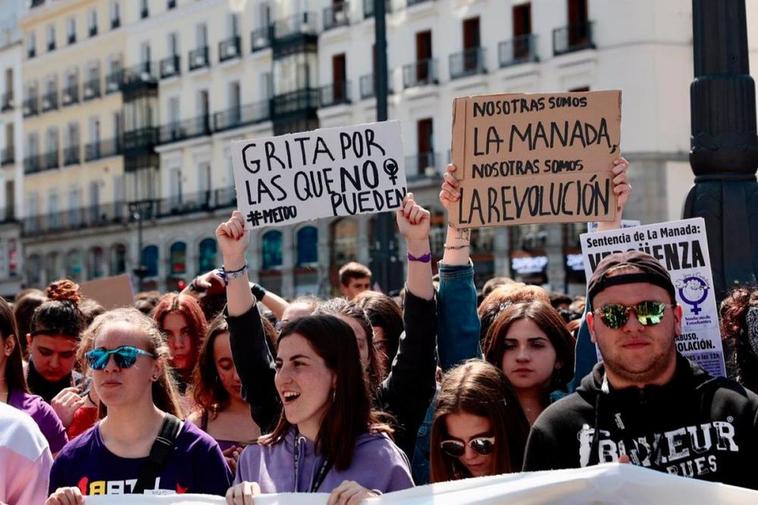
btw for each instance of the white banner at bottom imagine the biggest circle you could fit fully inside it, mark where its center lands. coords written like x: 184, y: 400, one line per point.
x: 609, y: 484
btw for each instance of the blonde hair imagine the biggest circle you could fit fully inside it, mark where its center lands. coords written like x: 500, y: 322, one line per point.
x: 165, y: 395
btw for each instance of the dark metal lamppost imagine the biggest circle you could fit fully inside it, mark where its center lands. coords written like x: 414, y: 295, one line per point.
x: 724, y: 146
x: 139, y: 210
x: 385, y: 267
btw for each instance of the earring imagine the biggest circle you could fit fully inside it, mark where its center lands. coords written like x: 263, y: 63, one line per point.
x: 155, y: 378
x: 334, y: 394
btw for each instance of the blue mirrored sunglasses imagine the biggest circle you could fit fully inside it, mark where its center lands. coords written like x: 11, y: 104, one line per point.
x: 124, y: 356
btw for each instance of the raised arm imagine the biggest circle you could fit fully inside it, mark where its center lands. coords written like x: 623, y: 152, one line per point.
x: 459, y: 326
x: 250, y: 351
x: 622, y: 189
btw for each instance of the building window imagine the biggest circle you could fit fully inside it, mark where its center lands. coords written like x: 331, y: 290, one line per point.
x: 96, y: 263
x: 51, y: 37
x: 307, y: 246
x: 344, y: 241
x: 33, y: 269
x: 31, y: 45
x: 74, y: 265
x: 118, y: 259
x: 71, y: 30
x: 178, y: 258
x: 52, y: 267
x: 206, y: 256
x: 271, y: 250
x: 144, y: 9
x: 150, y: 260
x: 92, y: 22
x: 115, y: 11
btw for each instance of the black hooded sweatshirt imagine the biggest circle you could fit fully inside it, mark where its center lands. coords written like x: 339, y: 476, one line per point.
x: 694, y: 426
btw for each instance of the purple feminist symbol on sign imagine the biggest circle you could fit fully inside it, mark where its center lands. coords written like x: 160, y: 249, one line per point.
x: 693, y: 291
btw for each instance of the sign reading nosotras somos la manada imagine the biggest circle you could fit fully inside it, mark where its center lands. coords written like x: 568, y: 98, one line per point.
x: 322, y: 173
x: 682, y: 248
x: 535, y: 158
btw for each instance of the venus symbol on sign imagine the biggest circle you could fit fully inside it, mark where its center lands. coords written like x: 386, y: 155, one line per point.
x: 391, y: 169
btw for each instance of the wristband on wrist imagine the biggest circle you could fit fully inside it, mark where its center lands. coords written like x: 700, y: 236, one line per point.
x: 258, y: 291
x: 460, y: 246
x: 228, y: 275
x: 425, y: 258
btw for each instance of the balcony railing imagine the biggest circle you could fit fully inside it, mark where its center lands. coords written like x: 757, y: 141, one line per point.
x: 50, y: 101
x: 260, y: 39
x: 335, y: 94
x: 34, y: 164
x: 203, y: 201
x: 92, y: 89
x: 31, y: 106
x: 295, y: 102
x: 242, y: 115
x: 572, y: 38
x: 7, y: 156
x: 367, y: 87
x: 422, y: 165
x: 70, y: 95
x: 113, y: 81
x: 51, y: 160
x: 368, y: 8
x: 72, y: 155
x: 229, y: 48
x: 8, y: 102
x: 198, y: 58
x: 420, y: 73
x: 521, y: 49
x: 102, y: 149
x: 170, y: 66
x: 336, y: 15
x: 187, y: 129
x: 411, y: 3
x: 304, y: 23
x: 468, y: 62
x: 142, y: 73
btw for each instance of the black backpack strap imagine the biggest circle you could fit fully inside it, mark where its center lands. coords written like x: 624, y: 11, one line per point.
x: 159, y: 453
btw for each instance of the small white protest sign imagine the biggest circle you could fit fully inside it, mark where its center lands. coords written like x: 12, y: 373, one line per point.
x: 682, y: 248
x: 322, y: 173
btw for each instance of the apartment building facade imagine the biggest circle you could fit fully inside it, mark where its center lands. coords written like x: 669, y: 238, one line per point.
x: 189, y: 76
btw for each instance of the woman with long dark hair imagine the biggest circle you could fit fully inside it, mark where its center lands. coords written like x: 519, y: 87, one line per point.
x: 479, y: 428
x: 13, y: 388
x: 219, y: 408
x: 327, y: 439
x: 128, y: 361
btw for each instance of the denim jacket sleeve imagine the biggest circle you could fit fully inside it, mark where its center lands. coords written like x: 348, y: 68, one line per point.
x: 458, y: 322
x: 255, y: 367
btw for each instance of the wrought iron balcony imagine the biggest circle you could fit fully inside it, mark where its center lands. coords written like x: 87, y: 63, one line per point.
x: 94, y: 216
x: 102, y: 149
x: 202, y: 201
x: 420, y: 73
x: 113, y: 81
x: 8, y: 102
x: 50, y: 101
x: 72, y: 155
x: 187, y: 129
x: 170, y: 66
x: 229, y: 48
x: 468, y: 62
x: 198, y: 58
x: 335, y: 94
x: 31, y: 106
x: 34, y: 164
x: 242, y: 115
x: 260, y: 39
x: 336, y: 15
x: 367, y: 86
x: 304, y: 23
x: 52, y: 160
x: 571, y: 38
x: 521, y: 49
x: 368, y: 8
x: 92, y: 89
x: 7, y: 156
x: 295, y: 102
x: 140, y: 76
x: 423, y: 165
x: 70, y: 95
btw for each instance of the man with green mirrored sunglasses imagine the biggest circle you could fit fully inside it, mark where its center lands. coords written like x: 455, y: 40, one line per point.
x: 645, y: 403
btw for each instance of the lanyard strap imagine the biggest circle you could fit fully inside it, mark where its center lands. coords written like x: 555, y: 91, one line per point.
x: 321, y: 474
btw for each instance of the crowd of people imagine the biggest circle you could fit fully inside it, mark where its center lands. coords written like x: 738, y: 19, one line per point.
x: 229, y: 389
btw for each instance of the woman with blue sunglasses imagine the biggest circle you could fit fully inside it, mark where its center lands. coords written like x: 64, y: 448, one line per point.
x: 128, y: 360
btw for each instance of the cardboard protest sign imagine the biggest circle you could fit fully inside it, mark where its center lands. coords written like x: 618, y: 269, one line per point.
x: 535, y: 158
x: 681, y: 247
x: 110, y: 292
x: 321, y: 173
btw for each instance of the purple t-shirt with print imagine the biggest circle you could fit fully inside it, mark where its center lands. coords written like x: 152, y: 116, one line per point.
x: 195, y: 466
x: 43, y: 414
